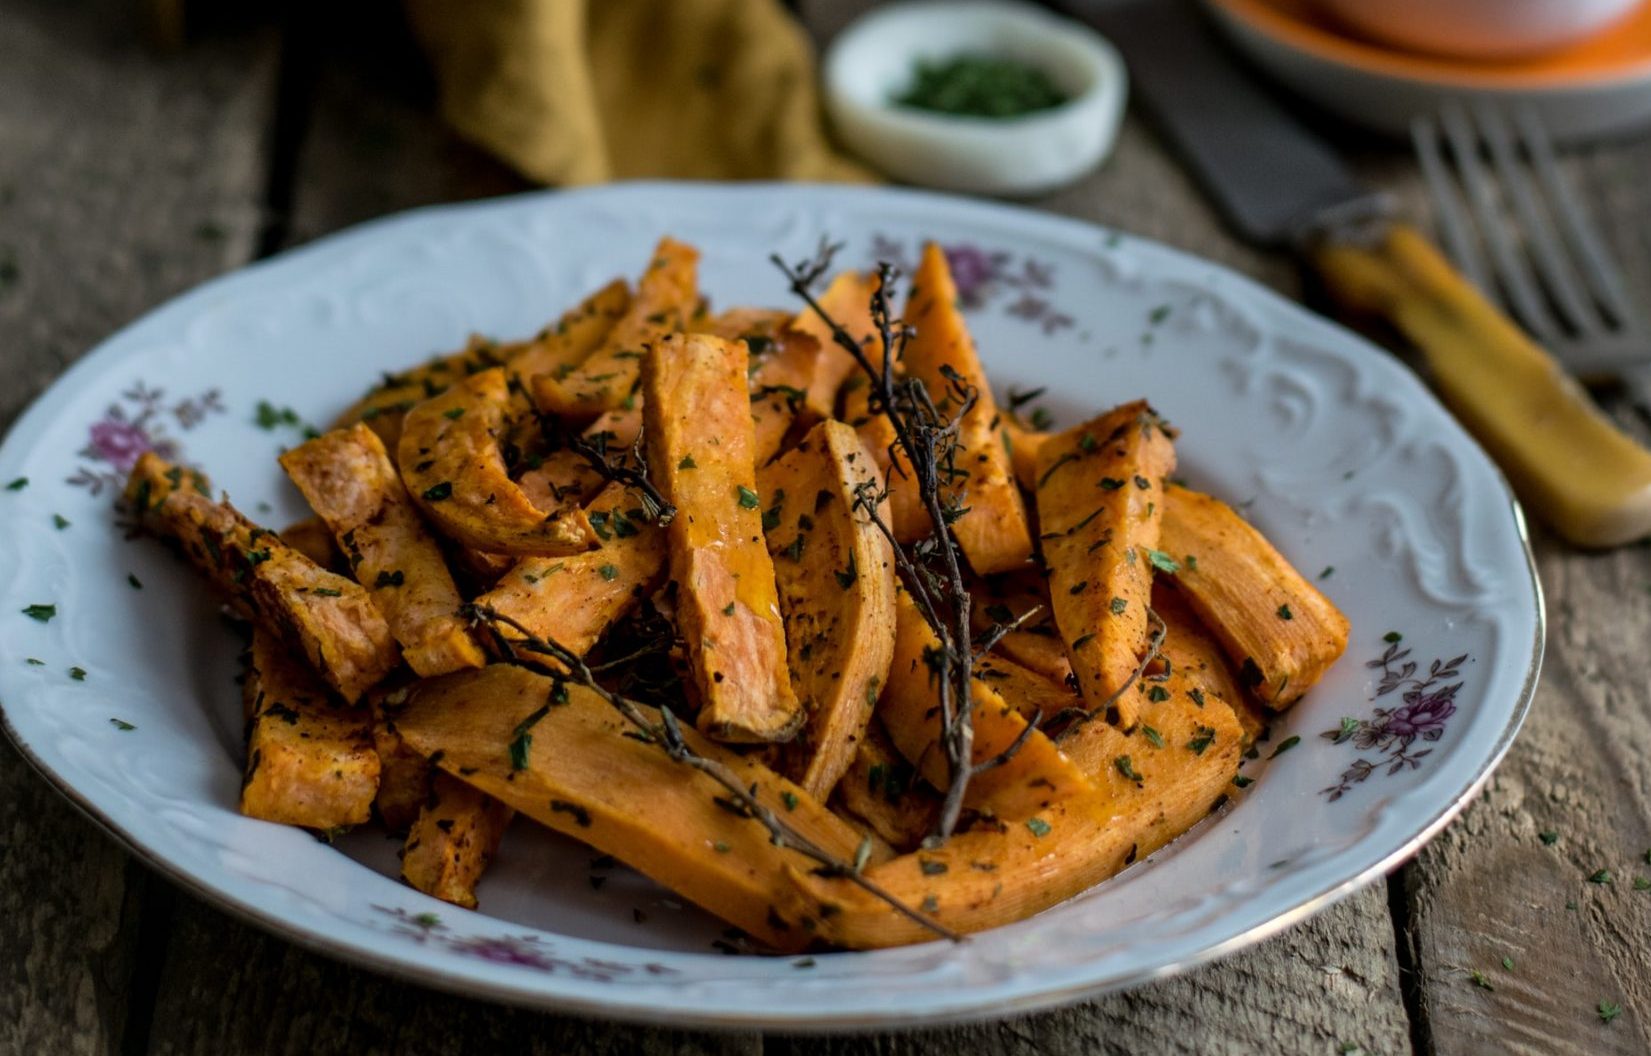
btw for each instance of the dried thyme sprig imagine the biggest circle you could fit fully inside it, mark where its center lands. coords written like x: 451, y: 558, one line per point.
x: 667, y: 734
x: 633, y: 474
x: 931, y: 569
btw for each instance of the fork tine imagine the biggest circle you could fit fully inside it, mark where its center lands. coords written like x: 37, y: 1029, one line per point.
x: 1596, y: 262
x: 1553, y: 265
x: 1454, y: 225
x: 1510, y: 266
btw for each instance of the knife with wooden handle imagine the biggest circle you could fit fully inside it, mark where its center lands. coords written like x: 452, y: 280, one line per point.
x: 1278, y: 185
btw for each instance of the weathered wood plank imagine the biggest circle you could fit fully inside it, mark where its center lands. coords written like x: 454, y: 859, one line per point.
x: 1492, y: 886
x: 1315, y: 988
x: 232, y: 988
x: 124, y: 178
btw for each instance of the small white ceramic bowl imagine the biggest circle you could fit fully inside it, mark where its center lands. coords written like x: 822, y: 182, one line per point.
x: 875, y: 58
x: 1481, y: 29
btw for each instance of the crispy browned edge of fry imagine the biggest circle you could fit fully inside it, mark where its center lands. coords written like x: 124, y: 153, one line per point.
x: 455, y: 836
x: 454, y: 470
x: 328, y: 617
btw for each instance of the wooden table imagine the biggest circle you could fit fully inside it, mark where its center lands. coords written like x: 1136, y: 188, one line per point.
x: 126, y: 177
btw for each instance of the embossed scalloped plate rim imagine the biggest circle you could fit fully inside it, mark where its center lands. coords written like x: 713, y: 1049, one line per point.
x: 652, y: 1001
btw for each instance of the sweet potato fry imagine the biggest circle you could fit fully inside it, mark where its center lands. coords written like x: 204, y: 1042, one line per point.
x: 565, y: 479
x: 993, y: 532
x: 1036, y: 775
x: 350, y: 482
x: 581, y: 774
x: 700, y: 441
x: 1037, y: 644
x: 780, y: 375
x: 456, y: 835
x: 573, y: 600
x: 1032, y: 694
x: 570, y: 340
x: 310, y: 760
x: 383, y: 408
x: 1182, y: 723
x: 835, y: 573
x: 1278, y: 628
x: 312, y: 538
x: 1025, y: 448
x: 665, y: 295
x: 1190, y: 649
x: 404, y: 775
x: 881, y: 790
x: 328, y: 618
x: 875, y: 430
x: 847, y: 299
x: 997, y: 875
x: 450, y: 460
x: 1100, y: 493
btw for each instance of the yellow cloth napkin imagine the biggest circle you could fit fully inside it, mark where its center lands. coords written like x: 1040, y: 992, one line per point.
x: 582, y: 91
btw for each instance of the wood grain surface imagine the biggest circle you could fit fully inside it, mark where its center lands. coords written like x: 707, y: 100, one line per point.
x: 126, y: 177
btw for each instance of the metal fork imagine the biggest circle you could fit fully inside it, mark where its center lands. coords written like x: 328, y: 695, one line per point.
x: 1549, y: 268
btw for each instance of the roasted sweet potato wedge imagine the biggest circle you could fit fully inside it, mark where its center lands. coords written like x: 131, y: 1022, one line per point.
x: 383, y: 408
x: 1182, y: 723
x: 450, y: 460
x: 1036, y: 775
x: 404, y: 775
x: 835, y: 573
x: 351, y: 484
x: 571, y: 340
x: 847, y: 300
x: 1100, y: 494
x: 328, y: 618
x: 665, y: 296
x: 573, y: 600
x: 696, y: 410
x: 780, y: 376
x: 877, y: 433
x: 564, y: 479
x: 996, y: 875
x: 310, y: 759
x: 1037, y: 644
x: 1032, y: 694
x: 1025, y: 448
x: 882, y: 791
x: 1278, y: 628
x: 312, y: 538
x: 457, y: 833
x: 993, y: 532
x: 583, y: 772
x: 1191, y: 650
x: 568, y: 341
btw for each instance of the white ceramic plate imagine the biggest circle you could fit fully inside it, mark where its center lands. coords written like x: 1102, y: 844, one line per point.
x: 1336, y: 451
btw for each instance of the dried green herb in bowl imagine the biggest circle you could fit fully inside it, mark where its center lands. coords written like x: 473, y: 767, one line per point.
x: 975, y: 85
